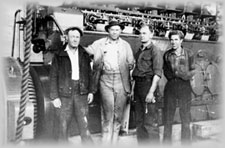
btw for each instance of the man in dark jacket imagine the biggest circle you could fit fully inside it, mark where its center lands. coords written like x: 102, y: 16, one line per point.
x: 178, y: 69
x: 71, y: 89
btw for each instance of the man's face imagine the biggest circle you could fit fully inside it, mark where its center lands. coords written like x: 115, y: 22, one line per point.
x: 73, y: 38
x: 145, y: 34
x: 114, y: 32
x: 175, y: 41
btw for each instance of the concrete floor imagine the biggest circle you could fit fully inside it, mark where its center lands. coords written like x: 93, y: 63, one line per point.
x: 204, y: 134
x: 208, y: 134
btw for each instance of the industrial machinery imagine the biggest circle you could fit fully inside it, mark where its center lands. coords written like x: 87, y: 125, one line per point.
x: 46, y: 33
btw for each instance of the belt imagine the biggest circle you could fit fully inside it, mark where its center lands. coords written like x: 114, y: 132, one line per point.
x: 178, y: 79
x: 110, y: 72
x: 142, y: 79
x: 75, y: 81
x: 75, y: 86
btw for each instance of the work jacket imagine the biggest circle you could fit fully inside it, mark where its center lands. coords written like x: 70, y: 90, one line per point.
x: 61, y: 74
x: 126, y: 60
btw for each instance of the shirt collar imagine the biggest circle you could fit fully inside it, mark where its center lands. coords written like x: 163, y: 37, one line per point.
x: 109, y: 41
x: 148, y: 47
x: 68, y: 49
x: 182, y: 52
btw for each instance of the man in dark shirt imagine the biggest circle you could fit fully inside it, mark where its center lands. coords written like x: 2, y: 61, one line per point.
x: 147, y: 73
x: 178, y: 69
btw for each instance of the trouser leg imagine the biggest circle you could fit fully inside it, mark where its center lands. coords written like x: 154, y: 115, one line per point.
x: 147, y: 123
x: 139, y: 113
x: 185, y: 115
x: 107, y: 110
x: 120, y: 99
x: 151, y: 123
x: 64, y: 115
x: 81, y: 115
x: 169, y: 112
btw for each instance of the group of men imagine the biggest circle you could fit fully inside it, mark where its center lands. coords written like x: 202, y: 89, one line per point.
x: 73, y: 83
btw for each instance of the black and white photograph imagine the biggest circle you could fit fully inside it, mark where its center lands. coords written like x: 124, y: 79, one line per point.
x: 112, y: 73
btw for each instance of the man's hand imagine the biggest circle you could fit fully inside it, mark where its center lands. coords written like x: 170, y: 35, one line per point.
x: 130, y: 97
x: 150, y: 98
x: 90, y: 98
x: 185, y: 75
x: 57, y: 103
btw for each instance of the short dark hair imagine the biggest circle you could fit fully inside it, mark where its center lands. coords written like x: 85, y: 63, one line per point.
x: 150, y: 27
x: 176, y: 32
x: 72, y: 29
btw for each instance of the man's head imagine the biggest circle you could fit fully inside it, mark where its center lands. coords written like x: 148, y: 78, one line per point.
x: 73, y: 35
x: 114, y: 29
x: 146, y: 33
x: 176, y: 38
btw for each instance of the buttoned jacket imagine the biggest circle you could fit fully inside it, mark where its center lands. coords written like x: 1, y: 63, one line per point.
x: 125, y: 59
x: 61, y: 71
